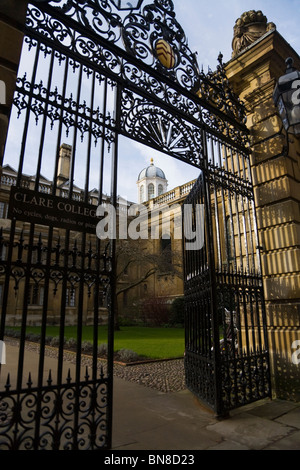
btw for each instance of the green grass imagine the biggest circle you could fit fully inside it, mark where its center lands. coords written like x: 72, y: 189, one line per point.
x: 153, y: 343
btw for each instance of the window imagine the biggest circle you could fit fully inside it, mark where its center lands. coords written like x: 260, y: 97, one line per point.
x: 101, y: 299
x: 2, y: 252
x: 3, y: 210
x: 71, y: 297
x: 229, y: 240
x: 38, y: 256
x: 160, y: 189
x: 142, y: 194
x: 166, y: 248
x: 166, y: 243
x: 151, y: 191
x: 36, y: 295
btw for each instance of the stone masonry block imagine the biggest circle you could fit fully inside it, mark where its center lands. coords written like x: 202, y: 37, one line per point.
x: 273, y: 169
x: 279, y: 237
x: 267, y: 149
x: 278, y: 214
x: 281, y: 262
x: 282, y: 287
x: 276, y: 190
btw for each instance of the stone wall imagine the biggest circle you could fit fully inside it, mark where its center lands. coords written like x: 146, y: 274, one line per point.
x: 12, y: 19
x: 276, y: 178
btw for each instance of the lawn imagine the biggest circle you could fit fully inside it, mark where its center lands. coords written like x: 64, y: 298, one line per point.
x: 153, y: 343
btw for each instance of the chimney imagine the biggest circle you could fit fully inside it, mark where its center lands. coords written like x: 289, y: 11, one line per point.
x: 64, y: 162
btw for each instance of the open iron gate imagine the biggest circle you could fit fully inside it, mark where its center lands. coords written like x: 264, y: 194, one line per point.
x: 226, y: 356
x: 55, y: 271
x: 93, y: 72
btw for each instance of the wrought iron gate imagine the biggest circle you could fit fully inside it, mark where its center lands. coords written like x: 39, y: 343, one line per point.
x: 226, y: 357
x: 93, y: 72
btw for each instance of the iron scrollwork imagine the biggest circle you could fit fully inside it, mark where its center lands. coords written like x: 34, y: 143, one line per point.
x: 157, y: 21
x: 52, y: 411
x: 64, y: 109
x: 149, y: 123
x: 206, y: 99
x: 139, y: 32
x: 136, y: 36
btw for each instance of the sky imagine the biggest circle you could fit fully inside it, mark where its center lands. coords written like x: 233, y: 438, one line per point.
x: 209, y: 30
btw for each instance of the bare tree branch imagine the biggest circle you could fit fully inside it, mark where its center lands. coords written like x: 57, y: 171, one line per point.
x: 132, y: 253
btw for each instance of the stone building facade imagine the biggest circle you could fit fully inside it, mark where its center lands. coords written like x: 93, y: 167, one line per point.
x: 143, y: 272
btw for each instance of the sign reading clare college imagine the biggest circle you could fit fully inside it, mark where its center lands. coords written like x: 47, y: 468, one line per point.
x: 44, y: 209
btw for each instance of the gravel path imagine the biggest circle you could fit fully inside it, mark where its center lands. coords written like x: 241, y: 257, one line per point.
x: 165, y: 376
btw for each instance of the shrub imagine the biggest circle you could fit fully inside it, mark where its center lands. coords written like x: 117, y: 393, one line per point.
x: 13, y: 333
x: 71, y: 343
x: 126, y: 321
x: 87, y: 346
x: 54, y: 341
x: 156, y: 311
x: 33, y: 337
x: 177, y: 312
x: 126, y: 355
x: 102, y: 349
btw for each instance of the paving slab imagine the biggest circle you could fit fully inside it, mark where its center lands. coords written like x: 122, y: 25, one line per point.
x: 272, y: 409
x: 250, y: 431
x: 226, y: 444
x: 152, y: 420
x: 291, y: 442
x: 146, y: 418
x: 292, y: 418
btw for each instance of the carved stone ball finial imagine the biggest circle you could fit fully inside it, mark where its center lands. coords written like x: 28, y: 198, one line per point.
x: 251, y: 26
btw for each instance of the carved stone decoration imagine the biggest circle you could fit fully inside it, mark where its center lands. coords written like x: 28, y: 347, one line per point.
x: 251, y: 26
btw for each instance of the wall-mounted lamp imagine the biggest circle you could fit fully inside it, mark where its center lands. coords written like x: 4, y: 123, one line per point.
x: 124, y: 5
x: 287, y: 98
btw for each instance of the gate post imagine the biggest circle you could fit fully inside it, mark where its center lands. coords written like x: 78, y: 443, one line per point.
x: 276, y: 178
x: 12, y: 21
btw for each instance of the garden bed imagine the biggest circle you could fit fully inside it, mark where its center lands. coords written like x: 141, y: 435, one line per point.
x: 148, y: 345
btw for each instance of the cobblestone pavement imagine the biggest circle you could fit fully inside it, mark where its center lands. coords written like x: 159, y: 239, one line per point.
x: 165, y: 376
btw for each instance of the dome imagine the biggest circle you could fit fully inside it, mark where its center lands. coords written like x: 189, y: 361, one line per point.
x: 151, y: 171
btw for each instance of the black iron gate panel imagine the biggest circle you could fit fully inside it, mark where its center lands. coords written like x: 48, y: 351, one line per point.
x: 55, y: 271
x: 226, y: 357
x: 66, y: 407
